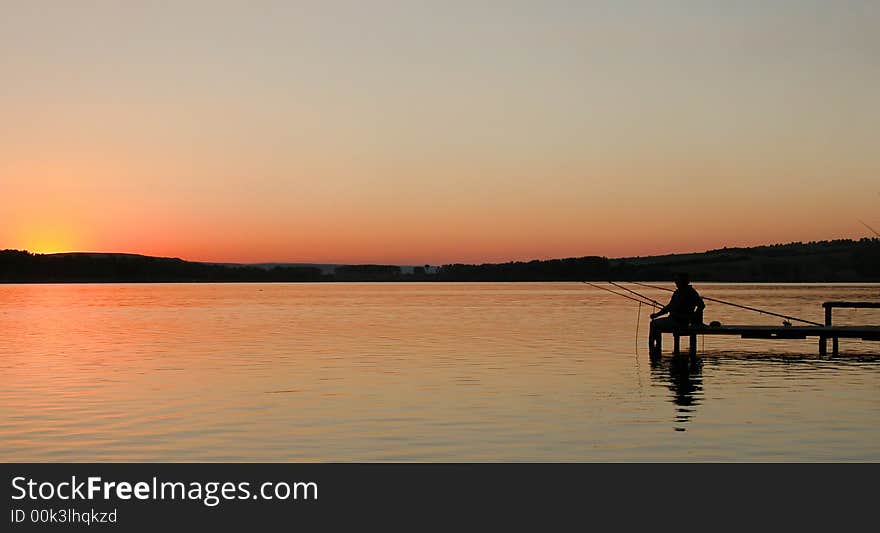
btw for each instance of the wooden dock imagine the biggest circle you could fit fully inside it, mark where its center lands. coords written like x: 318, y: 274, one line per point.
x: 823, y: 333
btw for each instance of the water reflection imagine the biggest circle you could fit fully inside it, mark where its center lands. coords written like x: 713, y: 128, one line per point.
x: 683, y: 376
x: 413, y: 372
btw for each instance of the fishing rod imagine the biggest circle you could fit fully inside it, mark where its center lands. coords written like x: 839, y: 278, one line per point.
x: 658, y: 304
x: 869, y: 227
x: 736, y: 305
x: 619, y: 294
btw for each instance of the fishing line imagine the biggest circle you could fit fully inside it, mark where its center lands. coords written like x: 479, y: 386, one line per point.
x: 638, y: 364
x: 762, y: 311
x: 638, y: 319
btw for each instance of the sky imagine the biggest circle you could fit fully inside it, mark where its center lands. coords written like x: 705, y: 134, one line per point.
x: 417, y: 132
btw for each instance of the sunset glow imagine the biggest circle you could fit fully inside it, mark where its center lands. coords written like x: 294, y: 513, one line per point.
x: 49, y: 238
x: 398, y: 133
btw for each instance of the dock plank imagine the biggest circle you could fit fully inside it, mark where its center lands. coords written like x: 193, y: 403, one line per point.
x: 785, y: 332
x: 852, y: 305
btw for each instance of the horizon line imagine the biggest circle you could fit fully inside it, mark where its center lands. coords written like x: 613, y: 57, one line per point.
x: 306, y: 262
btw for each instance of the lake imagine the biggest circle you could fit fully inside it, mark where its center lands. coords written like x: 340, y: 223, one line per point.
x: 420, y: 372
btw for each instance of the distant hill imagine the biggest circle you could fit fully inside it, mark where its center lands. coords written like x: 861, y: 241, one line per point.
x: 822, y: 261
x: 837, y: 260
x: 24, y: 267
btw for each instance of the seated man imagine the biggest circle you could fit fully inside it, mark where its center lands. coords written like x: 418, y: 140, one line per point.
x: 685, y: 309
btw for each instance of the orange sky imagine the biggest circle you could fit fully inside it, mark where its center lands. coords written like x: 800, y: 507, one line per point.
x: 436, y: 133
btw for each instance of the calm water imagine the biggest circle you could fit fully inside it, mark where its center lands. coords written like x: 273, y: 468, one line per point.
x: 418, y: 372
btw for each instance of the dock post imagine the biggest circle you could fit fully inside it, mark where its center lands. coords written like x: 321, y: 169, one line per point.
x: 676, y: 345
x: 655, y: 344
x: 823, y: 348
x: 692, y: 346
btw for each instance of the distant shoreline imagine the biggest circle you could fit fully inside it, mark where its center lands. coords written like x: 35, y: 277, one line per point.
x: 836, y: 261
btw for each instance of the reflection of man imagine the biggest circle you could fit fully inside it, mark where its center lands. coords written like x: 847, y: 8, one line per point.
x: 685, y: 308
x: 684, y: 379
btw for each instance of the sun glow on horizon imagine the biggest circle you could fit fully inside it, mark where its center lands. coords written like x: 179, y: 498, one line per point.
x: 49, y: 239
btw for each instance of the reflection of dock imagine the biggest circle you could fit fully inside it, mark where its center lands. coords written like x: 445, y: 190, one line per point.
x: 823, y: 333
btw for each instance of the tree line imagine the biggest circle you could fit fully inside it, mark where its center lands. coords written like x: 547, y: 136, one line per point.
x: 819, y: 261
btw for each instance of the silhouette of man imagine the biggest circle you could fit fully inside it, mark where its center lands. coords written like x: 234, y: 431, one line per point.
x: 685, y: 308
